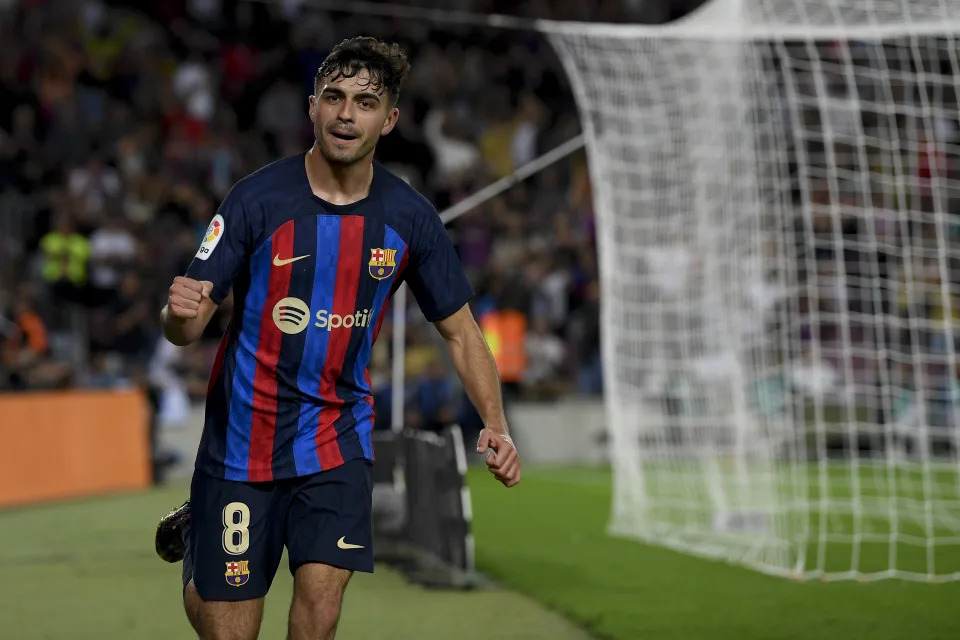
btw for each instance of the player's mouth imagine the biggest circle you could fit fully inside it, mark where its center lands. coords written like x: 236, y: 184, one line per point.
x: 344, y: 136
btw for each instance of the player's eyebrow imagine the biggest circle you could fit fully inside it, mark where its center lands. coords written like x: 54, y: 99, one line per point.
x: 363, y: 94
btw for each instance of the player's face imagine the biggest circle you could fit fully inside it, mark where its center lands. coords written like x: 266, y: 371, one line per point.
x: 349, y: 117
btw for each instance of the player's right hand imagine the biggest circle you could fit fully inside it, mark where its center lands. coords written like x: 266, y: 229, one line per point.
x: 502, y: 458
x: 186, y: 295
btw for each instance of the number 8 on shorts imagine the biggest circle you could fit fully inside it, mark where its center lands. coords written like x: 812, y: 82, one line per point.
x: 236, y: 537
x: 236, y: 528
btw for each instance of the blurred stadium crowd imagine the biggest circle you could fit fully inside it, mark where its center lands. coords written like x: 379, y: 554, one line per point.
x: 853, y: 315
x: 879, y: 254
x: 124, y: 124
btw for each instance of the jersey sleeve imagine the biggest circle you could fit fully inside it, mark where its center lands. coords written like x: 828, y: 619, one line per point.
x: 225, y: 248
x: 435, y: 274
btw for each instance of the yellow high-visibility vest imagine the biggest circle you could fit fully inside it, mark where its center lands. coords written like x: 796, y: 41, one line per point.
x: 505, y: 333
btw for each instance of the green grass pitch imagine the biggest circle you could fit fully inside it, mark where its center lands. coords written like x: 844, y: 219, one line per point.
x: 548, y: 539
x: 86, y: 570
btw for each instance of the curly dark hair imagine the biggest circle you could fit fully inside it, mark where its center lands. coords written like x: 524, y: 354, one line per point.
x: 386, y: 63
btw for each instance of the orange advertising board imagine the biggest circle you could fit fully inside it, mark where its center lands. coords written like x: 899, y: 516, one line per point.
x: 57, y: 445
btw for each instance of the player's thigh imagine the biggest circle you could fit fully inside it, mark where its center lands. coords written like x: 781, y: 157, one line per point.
x: 223, y: 620
x: 319, y: 585
x: 236, y: 537
x: 329, y: 518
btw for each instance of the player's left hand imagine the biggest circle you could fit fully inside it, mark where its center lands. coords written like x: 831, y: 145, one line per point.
x: 502, y: 457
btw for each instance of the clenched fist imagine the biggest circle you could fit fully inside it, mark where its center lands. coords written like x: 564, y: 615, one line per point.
x: 502, y: 459
x: 186, y: 295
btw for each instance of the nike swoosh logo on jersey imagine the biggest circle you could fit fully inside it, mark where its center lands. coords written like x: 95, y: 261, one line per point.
x: 277, y: 262
x: 346, y: 545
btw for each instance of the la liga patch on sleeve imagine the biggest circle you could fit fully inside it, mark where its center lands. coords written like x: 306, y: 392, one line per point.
x: 212, y: 237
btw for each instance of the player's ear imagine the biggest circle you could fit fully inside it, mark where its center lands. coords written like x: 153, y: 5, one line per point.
x: 310, y: 109
x: 390, y: 122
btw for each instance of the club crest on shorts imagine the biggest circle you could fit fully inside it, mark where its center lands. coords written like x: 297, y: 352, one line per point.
x: 382, y: 263
x: 238, y: 573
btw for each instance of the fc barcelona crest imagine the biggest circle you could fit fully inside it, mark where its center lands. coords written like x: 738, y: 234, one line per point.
x: 382, y: 263
x: 237, y: 573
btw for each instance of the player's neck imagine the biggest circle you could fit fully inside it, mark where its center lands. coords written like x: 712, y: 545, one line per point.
x: 338, y: 184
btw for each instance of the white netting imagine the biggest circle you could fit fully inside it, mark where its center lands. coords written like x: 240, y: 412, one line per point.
x: 777, y: 196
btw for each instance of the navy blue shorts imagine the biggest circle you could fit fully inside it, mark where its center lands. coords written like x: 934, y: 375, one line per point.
x: 238, y: 529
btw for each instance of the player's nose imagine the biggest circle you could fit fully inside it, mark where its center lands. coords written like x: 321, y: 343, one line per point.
x: 347, y: 112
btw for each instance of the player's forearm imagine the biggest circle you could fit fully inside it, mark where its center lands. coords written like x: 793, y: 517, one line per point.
x: 478, y: 371
x: 181, y: 331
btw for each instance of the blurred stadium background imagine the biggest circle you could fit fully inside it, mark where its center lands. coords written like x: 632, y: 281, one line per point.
x: 122, y: 126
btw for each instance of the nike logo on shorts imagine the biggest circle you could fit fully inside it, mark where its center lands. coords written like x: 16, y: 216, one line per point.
x: 346, y: 545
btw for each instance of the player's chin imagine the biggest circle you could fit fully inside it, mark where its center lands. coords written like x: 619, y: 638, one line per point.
x: 345, y: 154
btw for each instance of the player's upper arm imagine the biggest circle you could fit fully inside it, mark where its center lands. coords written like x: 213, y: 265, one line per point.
x: 225, y: 248
x: 435, y: 274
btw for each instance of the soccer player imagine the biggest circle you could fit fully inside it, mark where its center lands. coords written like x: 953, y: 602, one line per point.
x: 313, y: 246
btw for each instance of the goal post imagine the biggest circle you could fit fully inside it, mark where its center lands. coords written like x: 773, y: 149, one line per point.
x: 775, y: 184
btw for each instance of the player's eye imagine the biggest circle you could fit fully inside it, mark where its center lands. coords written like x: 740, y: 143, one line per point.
x: 332, y: 98
x: 366, y: 104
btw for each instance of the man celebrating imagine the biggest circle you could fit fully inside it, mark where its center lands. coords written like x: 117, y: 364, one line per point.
x: 313, y: 246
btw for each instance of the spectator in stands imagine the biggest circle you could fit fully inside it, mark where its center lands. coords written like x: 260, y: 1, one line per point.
x: 432, y: 402
x: 125, y: 327
x: 96, y: 186
x: 546, y: 354
x: 64, y: 259
x: 113, y: 248
x: 25, y: 352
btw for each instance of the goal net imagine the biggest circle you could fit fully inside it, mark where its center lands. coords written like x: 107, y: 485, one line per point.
x: 776, y: 187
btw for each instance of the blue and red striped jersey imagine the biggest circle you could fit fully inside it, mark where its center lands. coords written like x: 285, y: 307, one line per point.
x: 289, y: 393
